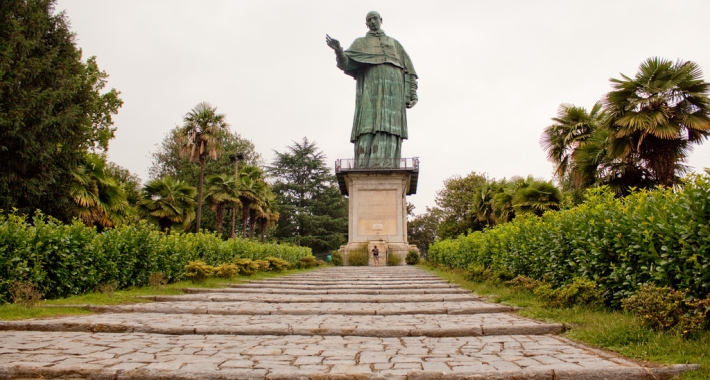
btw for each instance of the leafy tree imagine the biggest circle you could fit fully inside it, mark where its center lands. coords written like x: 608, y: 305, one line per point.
x: 52, y: 109
x: 455, y: 201
x: 656, y: 116
x: 476, y: 202
x: 169, y: 202
x: 421, y: 229
x: 100, y: 200
x: 168, y: 161
x: 313, y: 213
x: 199, y: 140
x: 222, y: 191
x: 130, y: 182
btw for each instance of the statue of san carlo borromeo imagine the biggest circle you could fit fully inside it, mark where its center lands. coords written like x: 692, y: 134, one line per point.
x: 386, y: 86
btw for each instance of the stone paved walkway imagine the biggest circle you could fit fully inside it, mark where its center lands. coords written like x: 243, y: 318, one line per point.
x: 334, y: 323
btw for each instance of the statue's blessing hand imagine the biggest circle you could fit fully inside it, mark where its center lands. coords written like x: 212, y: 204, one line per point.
x: 333, y: 43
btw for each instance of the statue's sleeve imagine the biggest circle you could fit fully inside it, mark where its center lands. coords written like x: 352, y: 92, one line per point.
x: 410, y: 75
x: 345, y: 63
x: 413, y: 86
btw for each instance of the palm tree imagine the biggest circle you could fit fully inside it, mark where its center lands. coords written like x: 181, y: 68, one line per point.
x: 200, y: 140
x: 251, y: 189
x: 222, y: 190
x: 594, y: 163
x: 483, y: 203
x: 536, y: 197
x: 503, y: 211
x: 572, y: 129
x: 267, y: 213
x: 656, y: 116
x: 100, y: 200
x: 168, y: 201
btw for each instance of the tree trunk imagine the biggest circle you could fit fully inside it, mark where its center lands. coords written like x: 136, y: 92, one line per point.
x: 199, y: 194
x: 252, y: 222
x: 662, y: 157
x: 219, y: 218
x: 262, y: 226
x: 245, y: 217
x: 165, y: 225
x: 234, y: 221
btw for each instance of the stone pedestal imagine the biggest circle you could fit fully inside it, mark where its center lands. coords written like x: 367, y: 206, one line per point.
x: 377, y: 212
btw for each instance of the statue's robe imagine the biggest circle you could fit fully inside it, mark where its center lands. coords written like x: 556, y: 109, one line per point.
x: 386, y: 82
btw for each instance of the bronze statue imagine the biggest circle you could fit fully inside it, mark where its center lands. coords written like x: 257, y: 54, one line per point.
x: 386, y: 86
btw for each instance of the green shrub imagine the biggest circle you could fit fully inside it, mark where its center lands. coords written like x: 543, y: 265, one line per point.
x: 412, y: 258
x: 71, y: 259
x: 24, y: 293
x: 478, y: 273
x: 358, y: 258
x: 262, y: 265
x: 307, y: 262
x: 663, y: 309
x: 393, y: 260
x: 654, y: 236
x: 226, y: 270
x: 107, y: 289
x: 198, y: 271
x: 157, y: 280
x: 277, y: 265
x: 580, y: 292
x: 524, y: 283
x: 337, y: 259
x: 248, y: 267
x: 503, y: 274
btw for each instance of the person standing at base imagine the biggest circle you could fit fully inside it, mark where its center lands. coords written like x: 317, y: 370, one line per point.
x: 376, y: 256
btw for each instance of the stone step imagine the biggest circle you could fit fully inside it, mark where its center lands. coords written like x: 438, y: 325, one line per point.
x: 414, y: 287
x: 325, y: 275
x: 324, y: 291
x: 423, y: 283
x: 350, y: 325
x: 321, y: 308
x: 293, y: 298
x: 40, y: 354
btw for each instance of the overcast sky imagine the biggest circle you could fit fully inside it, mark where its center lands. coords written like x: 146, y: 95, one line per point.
x: 492, y: 73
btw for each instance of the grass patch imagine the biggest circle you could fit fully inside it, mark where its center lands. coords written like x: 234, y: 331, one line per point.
x: 613, y: 330
x: 55, y: 308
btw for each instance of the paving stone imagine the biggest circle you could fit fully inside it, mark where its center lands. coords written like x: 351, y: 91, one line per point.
x: 338, y: 323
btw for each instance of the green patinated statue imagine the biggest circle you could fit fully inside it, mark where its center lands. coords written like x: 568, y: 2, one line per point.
x: 386, y: 86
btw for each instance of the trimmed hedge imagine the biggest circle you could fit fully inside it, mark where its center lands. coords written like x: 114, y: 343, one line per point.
x: 659, y: 237
x: 64, y: 260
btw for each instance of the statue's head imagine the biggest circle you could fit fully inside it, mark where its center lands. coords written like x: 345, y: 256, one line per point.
x: 373, y: 20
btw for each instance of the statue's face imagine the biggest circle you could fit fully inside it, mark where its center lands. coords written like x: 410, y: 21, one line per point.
x: 373, y: 21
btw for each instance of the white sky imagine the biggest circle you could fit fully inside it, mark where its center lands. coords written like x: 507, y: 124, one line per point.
x: 492, y: 73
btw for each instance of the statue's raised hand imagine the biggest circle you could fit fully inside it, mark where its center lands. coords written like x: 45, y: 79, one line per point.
x: 333, y: 43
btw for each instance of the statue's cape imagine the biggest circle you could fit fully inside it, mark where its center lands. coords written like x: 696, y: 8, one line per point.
x: 377, y: 48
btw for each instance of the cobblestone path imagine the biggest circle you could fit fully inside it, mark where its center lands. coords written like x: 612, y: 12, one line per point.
x: 333, y: 323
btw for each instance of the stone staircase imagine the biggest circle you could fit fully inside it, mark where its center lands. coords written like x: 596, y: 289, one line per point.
x: 333, y: 323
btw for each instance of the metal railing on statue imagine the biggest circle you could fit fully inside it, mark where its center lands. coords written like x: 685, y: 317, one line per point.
x: 374, y: 164
x: 344, y: 166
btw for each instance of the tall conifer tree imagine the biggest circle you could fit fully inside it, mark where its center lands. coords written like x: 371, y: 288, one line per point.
x: 51, y: 108
x: 312, y: 211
